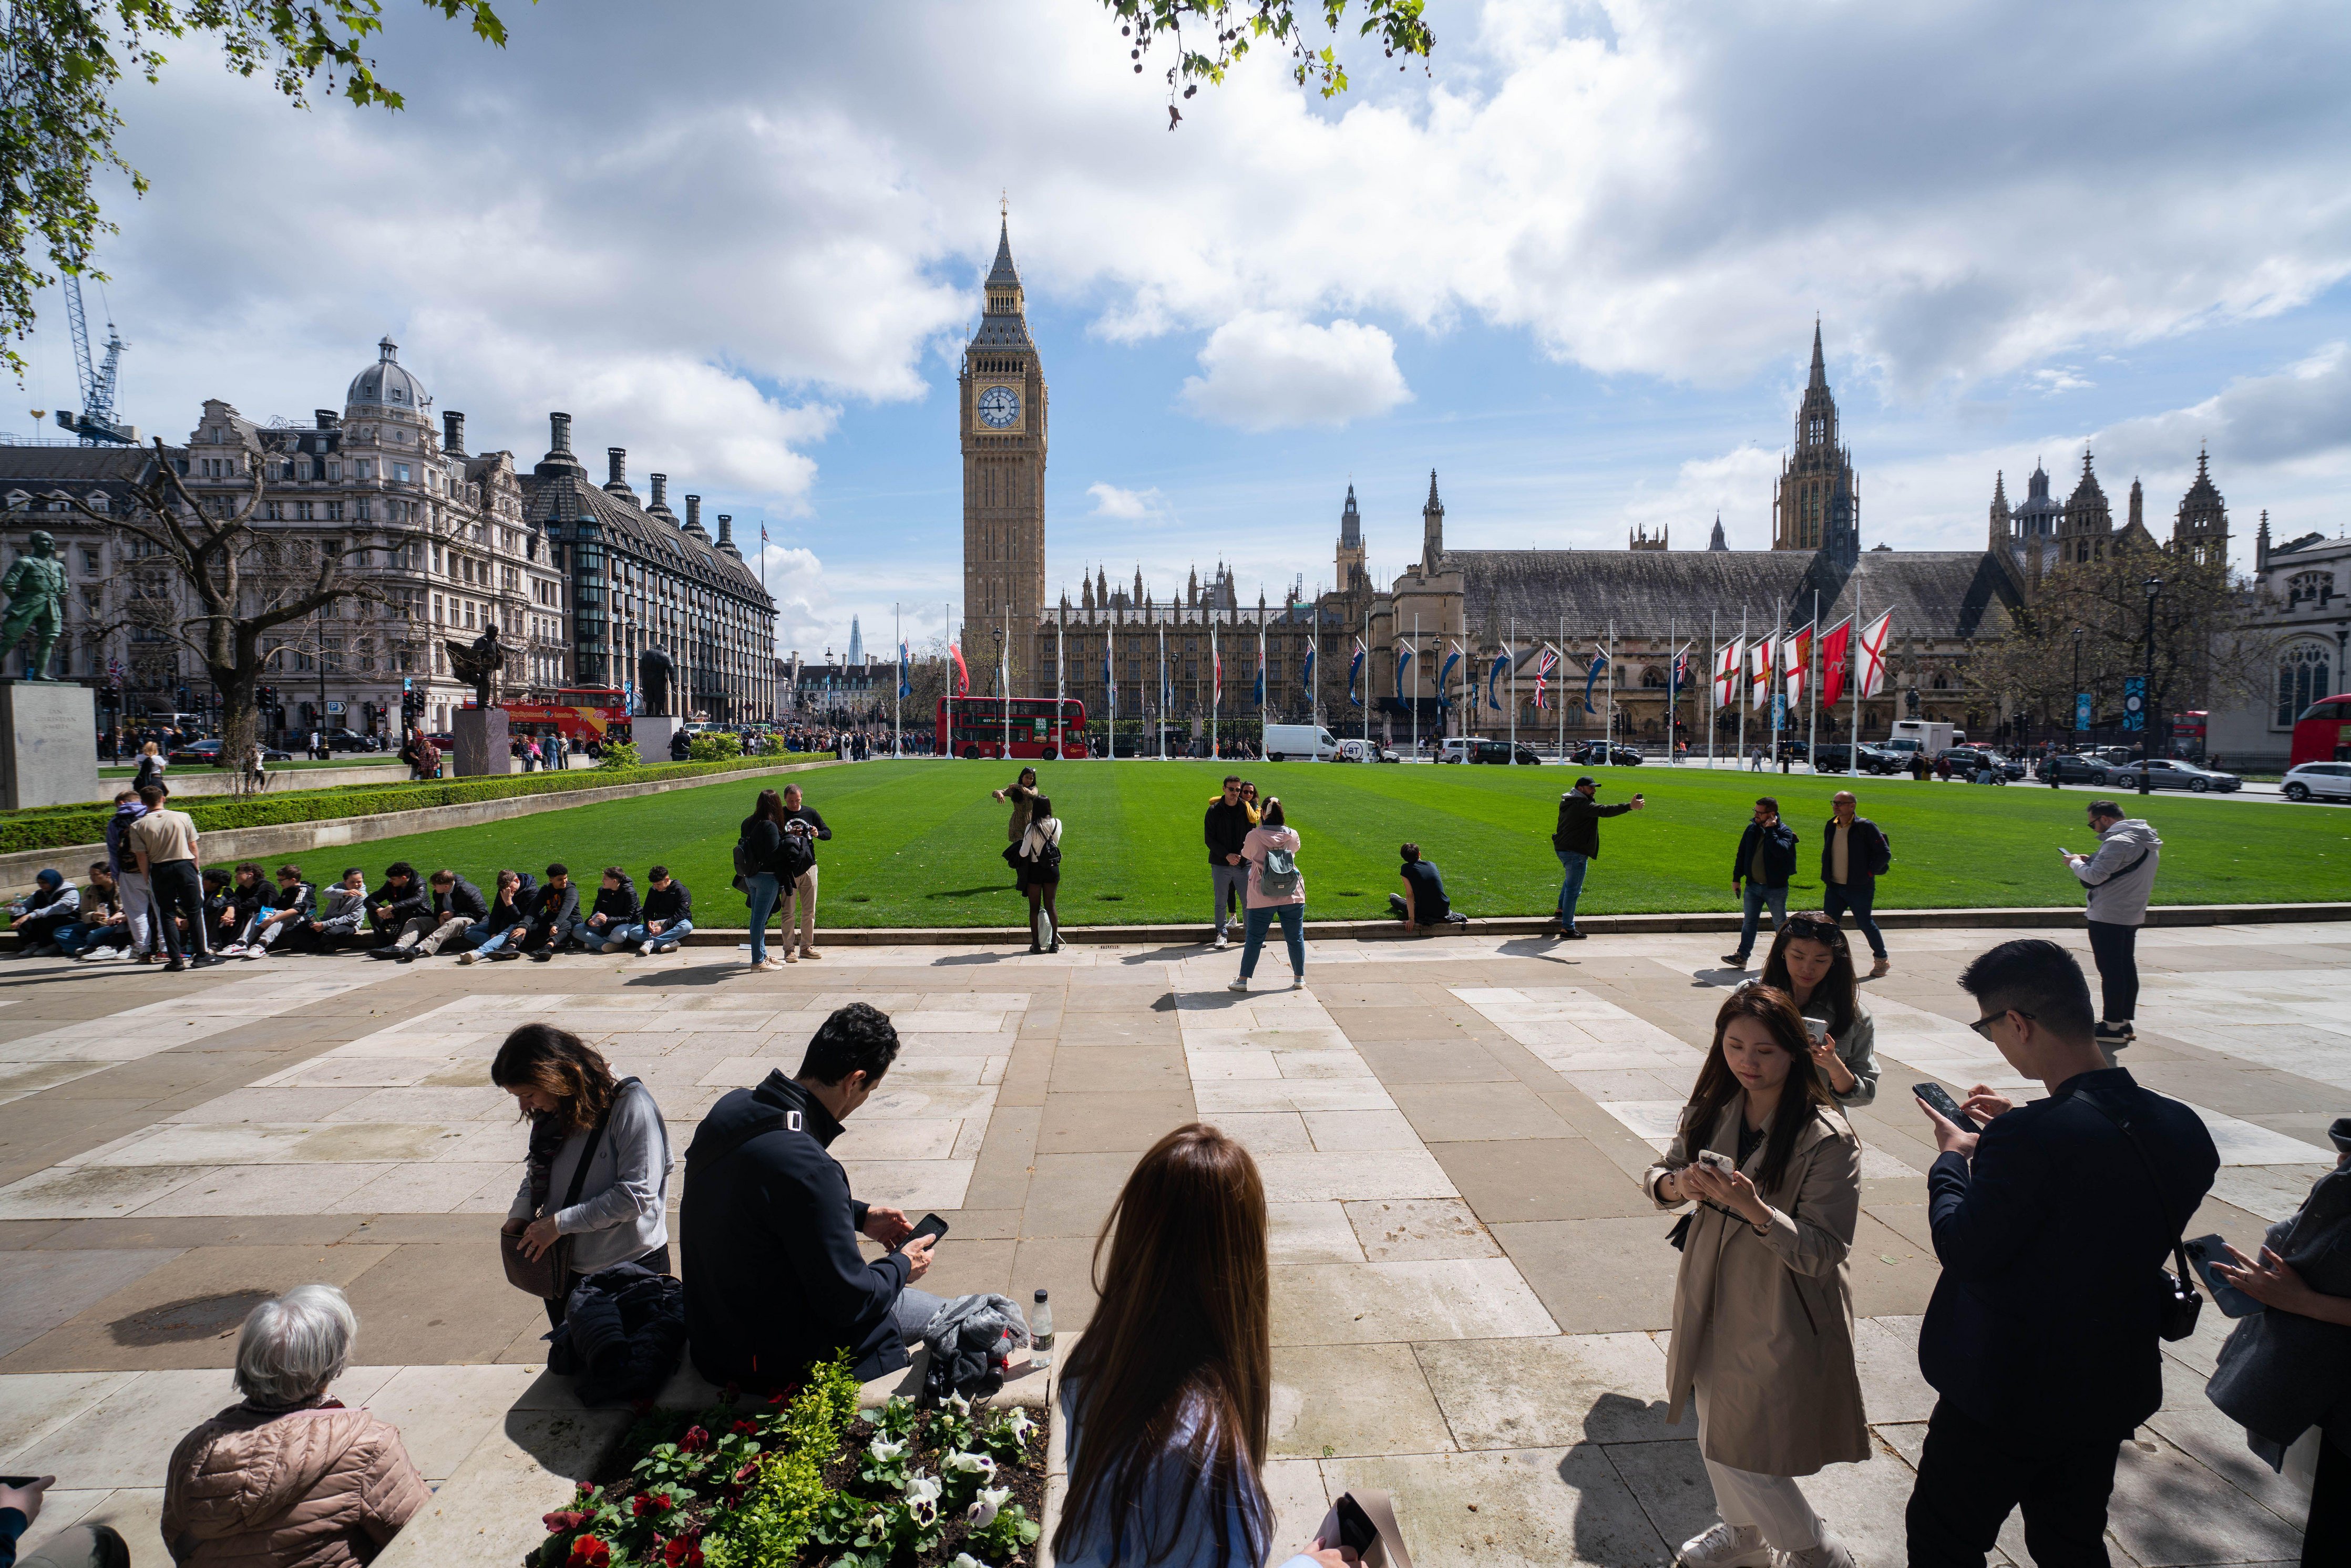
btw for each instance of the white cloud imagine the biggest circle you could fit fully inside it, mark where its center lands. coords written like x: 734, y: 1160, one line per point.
x: 1129, y: 505
x: 1270, y: 370
x: 2060, y: 378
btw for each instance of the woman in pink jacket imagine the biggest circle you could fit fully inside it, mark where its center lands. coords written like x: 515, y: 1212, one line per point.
x: 1276, y: 887
x: 290, y: 1478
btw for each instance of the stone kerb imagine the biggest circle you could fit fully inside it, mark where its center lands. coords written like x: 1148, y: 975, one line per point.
x: 189, y: 780
x: 17, y: 871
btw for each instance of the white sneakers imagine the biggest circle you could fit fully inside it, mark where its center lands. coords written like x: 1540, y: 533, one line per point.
x: 1830, y: 1553
x: 1726, y: 1546
x: 1238, y: 986
x: 1221, y: 943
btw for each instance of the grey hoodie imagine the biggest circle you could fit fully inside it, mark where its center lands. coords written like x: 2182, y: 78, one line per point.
x: 2121, y: 875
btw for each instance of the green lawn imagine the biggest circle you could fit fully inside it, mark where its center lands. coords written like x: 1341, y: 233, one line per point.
x: 920, y: 843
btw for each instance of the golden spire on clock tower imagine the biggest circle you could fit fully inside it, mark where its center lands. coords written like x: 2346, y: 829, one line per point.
x: 1002, y: 430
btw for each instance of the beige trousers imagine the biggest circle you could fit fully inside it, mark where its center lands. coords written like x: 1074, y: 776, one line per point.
x: 802, y: 892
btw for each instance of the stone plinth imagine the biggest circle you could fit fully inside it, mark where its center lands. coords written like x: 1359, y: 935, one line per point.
x: 652, y: 733
x: 482, y: 746
x: 48, y: 747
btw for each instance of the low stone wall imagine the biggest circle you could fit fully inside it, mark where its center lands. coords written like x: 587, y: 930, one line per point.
x: 17, y: 871
x: 197, y: 778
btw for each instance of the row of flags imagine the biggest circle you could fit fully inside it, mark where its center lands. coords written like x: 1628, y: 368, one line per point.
x: 1776, y: 659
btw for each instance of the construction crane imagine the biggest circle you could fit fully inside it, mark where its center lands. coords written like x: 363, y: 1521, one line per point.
x: 94, y: 421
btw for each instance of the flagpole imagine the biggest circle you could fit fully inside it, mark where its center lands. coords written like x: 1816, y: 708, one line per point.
x: 946, y: 738
x: 898, y: 685
x: 1853, y: 752
x: 1215, y: 683
x: 1416, y: 689
x: 1745, y: 702
x: 1813, y: 689
x: 1608, y: 714
x: 1061, y: 682
x: 1163, y: 691
x: 1713, y: 685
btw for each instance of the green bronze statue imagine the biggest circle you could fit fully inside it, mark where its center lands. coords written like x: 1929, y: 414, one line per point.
x: 35, y: 587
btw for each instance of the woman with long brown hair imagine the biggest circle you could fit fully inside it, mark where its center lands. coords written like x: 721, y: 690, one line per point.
x: 1813, y: 962
x: 1168, y: 1394
x: 596, y: 1182
x: 1763, y: 1319
x: 762, y: 835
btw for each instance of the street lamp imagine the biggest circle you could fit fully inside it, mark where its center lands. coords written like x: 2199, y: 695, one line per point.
x: 2079, y: 633
x: 2146, y: 768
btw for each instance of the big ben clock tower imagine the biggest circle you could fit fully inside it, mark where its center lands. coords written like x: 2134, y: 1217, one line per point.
x: 1003, y: 424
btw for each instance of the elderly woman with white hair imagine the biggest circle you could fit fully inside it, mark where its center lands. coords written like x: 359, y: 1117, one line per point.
x: 290, y: 1478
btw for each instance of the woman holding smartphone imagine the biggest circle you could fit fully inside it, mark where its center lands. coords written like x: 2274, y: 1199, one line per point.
x: 1811, y: 961
x: 1762, y: 1318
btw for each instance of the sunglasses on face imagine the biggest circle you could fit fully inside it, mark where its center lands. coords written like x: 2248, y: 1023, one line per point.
x: 1982, y: 1026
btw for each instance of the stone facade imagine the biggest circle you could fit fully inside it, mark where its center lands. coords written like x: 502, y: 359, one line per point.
x: 1002, y: 410
x: 2303, y: 598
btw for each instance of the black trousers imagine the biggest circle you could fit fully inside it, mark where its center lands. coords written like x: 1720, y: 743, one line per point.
x: 1970, y: 1477
x: 2115, y: 948
x: 657, y: 1260
x: 179, y: 891
x: 2326, y: 1534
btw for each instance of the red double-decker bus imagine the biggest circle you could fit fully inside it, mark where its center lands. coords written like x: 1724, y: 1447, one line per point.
x: 1041, y: 728
x: 2323, y: 733
x: 578, y: 713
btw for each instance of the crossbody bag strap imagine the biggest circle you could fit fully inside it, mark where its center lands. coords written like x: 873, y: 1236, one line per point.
x: 595, y: 1136
x: 2155, y: 1180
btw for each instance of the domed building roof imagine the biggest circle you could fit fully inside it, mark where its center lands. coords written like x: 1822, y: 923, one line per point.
x: 388, y: 383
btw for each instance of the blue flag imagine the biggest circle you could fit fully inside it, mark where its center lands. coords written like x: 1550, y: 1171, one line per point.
x: 1260, y: 698
x: 1306, y: 672
x: 1355, y: 668
x: 1404, y: 661
x: 1599, y: 663
x: 906, y: 673
x: 1493, y: 680
x: 1445, y: 677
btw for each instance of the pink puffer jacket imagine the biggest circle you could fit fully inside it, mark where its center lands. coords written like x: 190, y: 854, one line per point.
x: 317, y: 1487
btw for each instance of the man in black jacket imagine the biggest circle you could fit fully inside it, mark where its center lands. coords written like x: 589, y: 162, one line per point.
x: 663, y: 922
x: 1854, y: 855
x: 2053, y: 1226
x: 1224, y: 829
x: 1759, y: 874
x: 773, y: 1279
x: 400, y: 900
x: 1576, y: 840
x: 451, y: 904
x: 551, y: 915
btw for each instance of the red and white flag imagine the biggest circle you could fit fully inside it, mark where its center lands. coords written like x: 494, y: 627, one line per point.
x: 1726, y: 672
x: 1872, y: 672
x: 1762, y: 654
x: 1835, y: 644
x: 1795, y: 662
x: 963, y: 675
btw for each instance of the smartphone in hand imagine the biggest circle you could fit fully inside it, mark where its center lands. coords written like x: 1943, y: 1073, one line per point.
x: 931, y: 1228
x: 1936, y: 1095
x: 2203, y: 1252
x: 1715, y: 1160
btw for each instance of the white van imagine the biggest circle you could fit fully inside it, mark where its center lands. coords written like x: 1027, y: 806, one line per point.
x: 1302, y: 742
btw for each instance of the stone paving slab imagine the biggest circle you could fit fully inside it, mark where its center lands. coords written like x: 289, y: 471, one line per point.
x: 1470, y: 1291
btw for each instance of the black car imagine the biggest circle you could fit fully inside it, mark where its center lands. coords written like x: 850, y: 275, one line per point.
x: 1501, y: 754
x: 209, y: 751
x: 1967, y: 761
x: 2167, y: 773
x: 2070, y: 768
x: 1601, y: 754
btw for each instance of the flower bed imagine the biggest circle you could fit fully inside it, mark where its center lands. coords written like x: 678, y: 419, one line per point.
x: 808, y: 1478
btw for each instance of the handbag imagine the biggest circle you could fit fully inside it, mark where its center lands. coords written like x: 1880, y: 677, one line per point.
x: 1364, y: 1522
x: 544, y: 1275
x: 2176, y: 1318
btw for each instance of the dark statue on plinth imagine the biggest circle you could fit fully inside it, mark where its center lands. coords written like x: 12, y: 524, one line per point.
x: 35, y: 587
x: 479, y: 662
x: 655, y: 672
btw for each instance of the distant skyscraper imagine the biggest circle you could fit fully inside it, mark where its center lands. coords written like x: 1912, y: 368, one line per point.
x: 856, y: 642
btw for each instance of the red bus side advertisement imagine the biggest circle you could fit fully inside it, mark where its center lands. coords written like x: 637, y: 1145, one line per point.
x: 2323, y: 733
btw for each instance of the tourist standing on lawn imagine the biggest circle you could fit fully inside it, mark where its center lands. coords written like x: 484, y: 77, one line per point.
x: 1168, y: 1396
x: 1224, y: 829
x: 1811, y: 961
x: 2120, y: 878
x: 1854, y: 855
x: 1759, y: 874
x: 1276, y: 888
x: 1762, y: 1317
x: 1040, y: 858
x: 1576, y: 842
x: 807, y: 829
x: 763, y: 849
x: 2053, y: 1226
x: 1022, y: 793
x: 610, y: 1213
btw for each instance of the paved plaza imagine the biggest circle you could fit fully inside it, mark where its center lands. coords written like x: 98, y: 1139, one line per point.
x: 1470, y: 1290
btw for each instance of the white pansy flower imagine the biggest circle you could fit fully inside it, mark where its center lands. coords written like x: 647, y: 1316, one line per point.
x: 1017, y: 1422
x: 968, y: 1464
x: 966, y: 1560
x: 989, y: 1503
x: 923, y: 1497
x: 885, y: 1450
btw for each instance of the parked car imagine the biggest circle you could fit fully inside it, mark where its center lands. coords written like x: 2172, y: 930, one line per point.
x: 209, y: 751
x: 2077, y: 769
x: 1602, y: 754
x: 1967, y: 761
x: 2167, y: 773
x: 348, y: 740
x: 2318, y: 782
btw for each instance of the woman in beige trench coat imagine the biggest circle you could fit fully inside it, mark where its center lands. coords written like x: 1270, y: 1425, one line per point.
x: 1762, y: 1322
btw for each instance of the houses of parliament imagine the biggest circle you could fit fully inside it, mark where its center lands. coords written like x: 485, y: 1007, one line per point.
x: 1642, y: 603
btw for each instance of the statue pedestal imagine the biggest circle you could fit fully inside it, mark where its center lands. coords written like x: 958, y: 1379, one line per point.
x: 49, y: 744
x: 652, y: 733
x: 482, y: 746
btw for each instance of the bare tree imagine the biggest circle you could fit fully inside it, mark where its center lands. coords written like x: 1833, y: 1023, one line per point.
x: 206, y: 578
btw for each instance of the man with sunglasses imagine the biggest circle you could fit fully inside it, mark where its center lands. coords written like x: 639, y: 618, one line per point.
x: 2119, y: 879
x: 2052, y: 1225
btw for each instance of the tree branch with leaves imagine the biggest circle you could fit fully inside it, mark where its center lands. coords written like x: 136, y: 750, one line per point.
x: 1210, y: 36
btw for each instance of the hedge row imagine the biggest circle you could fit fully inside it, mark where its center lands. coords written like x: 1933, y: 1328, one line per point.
x: 56, y: 827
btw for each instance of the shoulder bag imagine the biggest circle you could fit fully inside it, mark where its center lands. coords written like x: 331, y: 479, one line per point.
x: 544, y: 1276
x: 2176, y: 1318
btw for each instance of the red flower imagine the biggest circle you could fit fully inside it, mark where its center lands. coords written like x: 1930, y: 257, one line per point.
x: 646, y: 1502
x: 589, y: 1553
x: 734, y: 1392
x: 745, y: 1473
x: 557, y: 1523
x: 694, y: 1441
x: 682, y: 1551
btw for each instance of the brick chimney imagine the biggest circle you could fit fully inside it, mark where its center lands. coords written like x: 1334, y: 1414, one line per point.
x: 453, y: 433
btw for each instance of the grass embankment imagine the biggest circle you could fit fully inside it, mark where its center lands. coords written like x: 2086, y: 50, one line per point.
x: 920, y: 843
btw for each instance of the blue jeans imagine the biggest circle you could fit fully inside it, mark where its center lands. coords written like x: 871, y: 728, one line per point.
x: 1836, y: 897
x: 674, y: 932
x: 76, y: 939
x: 1756, y: 897
x: 1293, y: 931
x: 1573, y: 864
x: 762, y: 892
x: 482, y: 938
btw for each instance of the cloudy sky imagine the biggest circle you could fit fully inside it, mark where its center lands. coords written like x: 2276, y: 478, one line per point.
x: 1573, y: 266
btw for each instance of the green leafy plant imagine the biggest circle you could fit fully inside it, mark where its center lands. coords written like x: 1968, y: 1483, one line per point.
x: 619, y: 757
x: 713, y: 746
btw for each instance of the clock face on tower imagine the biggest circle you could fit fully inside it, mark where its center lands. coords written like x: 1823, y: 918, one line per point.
x: 1000, y: 407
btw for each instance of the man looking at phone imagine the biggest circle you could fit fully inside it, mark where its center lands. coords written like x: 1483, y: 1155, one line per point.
x: 1576, y: 840
x: 2120, y: 878
x: 2052, y: 1226
x: 1759, y: 874
x: 768, y: 1230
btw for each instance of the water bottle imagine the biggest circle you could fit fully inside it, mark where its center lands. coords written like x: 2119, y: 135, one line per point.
x: 1040, y: 1332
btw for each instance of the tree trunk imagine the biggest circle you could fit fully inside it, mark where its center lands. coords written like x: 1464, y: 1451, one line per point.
x: 240, y: 719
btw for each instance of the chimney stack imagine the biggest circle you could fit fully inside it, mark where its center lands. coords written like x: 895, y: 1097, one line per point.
x: 560, y: 438
x: 661, y: 491
x: 453, y: 433
x: 726, y: 529
x: 618, y: 457
x: 693, y: 513
x: 327, y: 418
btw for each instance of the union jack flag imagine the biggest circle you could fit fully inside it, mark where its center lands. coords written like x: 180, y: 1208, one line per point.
x: 1543, y: 667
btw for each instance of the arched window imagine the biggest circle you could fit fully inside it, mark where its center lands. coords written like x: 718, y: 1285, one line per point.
x: 1653, y: 679
x: 2304, y: 673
